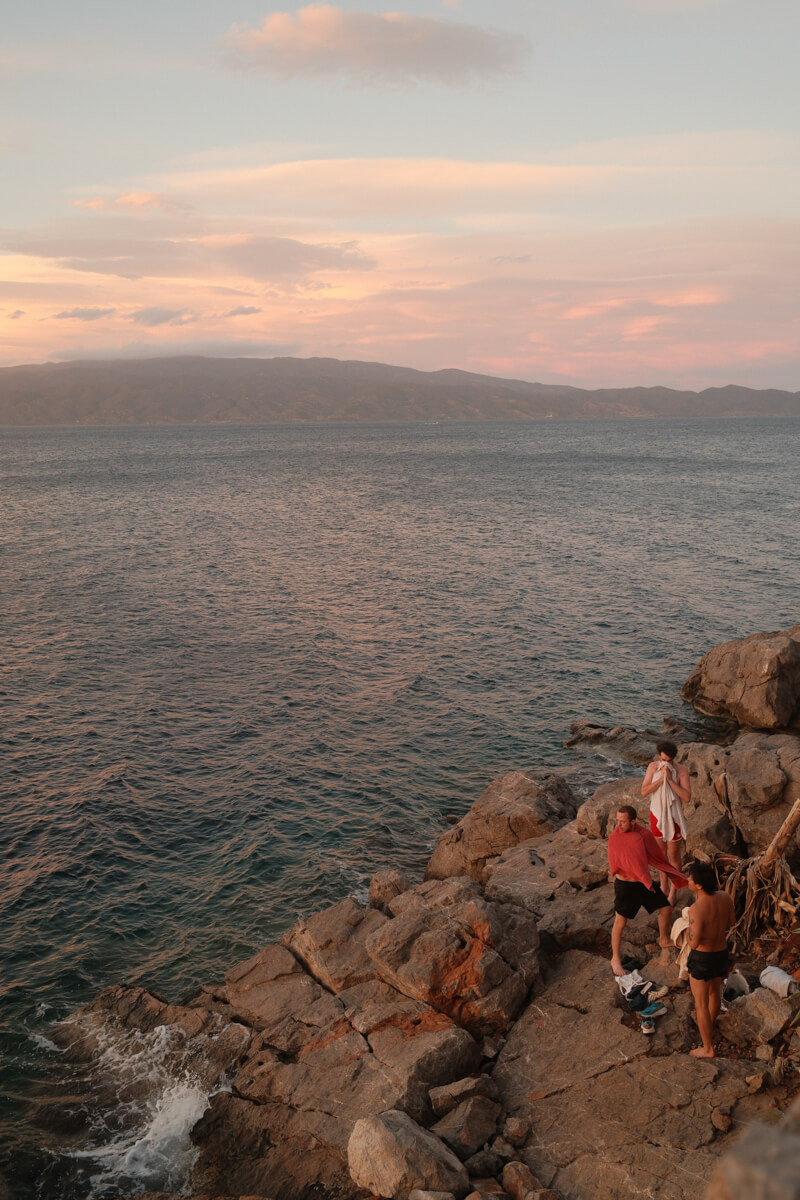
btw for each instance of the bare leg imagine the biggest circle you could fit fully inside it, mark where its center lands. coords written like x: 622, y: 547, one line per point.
x: 616, y: 944
x: 714, y: 999
x: 701, y: 990
x: 664, y: 940
x: 675, y: 857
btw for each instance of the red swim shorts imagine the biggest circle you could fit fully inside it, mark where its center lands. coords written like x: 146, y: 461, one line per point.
x: 656, y: 832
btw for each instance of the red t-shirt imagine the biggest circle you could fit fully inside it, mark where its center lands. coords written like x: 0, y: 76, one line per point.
x: 632, y: 854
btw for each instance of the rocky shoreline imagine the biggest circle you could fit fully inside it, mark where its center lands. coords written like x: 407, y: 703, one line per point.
x: 463, y: 1035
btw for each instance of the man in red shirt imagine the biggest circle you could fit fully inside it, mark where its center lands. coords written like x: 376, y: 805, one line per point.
x: 632, y: 851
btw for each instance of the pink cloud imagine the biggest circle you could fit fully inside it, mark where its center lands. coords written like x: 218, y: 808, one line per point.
x: 133, y: 202
x: 373, y: 48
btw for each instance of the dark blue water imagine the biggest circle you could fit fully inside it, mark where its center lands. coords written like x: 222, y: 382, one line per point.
x: 244, y: 667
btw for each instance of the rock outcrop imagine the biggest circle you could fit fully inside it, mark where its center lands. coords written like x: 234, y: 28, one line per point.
x: 513, y: 808
x: 752, y: 783
x: 755, y: 681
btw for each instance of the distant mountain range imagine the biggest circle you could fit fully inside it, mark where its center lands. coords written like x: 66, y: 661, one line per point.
x: 207, y: 390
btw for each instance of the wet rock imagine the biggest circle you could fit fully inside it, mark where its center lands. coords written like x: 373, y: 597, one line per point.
x: 331, y: 944
x: 619, y: 741
x: 466, y: 957
x: 756, y: 681
x: 390, y: 1155
x: 447, y: 1097
x: 469, y: 1126
x: 204, y: 1042
x: 757, y: 1018
x: 384, y: 886
x: 512, y: 809
x: 753, y: 782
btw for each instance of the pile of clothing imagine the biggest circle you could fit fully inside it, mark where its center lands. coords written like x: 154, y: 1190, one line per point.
x: 643, y: 998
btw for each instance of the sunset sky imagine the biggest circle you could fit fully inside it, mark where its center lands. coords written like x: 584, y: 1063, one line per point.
x: 599, y: 192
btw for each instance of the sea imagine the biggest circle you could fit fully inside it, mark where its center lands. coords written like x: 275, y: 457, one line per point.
x: 246, y: 666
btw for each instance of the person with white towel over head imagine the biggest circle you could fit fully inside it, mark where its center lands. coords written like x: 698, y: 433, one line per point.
x: 668, y: 785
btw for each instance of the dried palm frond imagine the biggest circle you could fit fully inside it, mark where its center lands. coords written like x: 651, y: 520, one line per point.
x: 765, y: 893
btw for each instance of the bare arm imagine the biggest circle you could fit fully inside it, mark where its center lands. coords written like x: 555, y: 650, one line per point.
x: 647, y: 784
x: 682, y: 786
x: 695, y: 926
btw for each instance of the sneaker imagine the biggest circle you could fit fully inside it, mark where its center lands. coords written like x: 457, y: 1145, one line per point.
x: 653, y: 1010
x: 658, y: 993
x: 648, y: 1025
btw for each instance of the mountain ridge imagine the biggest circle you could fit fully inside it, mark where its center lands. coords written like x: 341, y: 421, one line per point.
x: 193, y: 389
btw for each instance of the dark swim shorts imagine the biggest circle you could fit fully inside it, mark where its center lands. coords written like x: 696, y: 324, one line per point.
x: 630, y: 897
x: 708, y: 964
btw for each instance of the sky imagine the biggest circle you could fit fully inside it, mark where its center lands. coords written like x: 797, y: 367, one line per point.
x: 596, y: 192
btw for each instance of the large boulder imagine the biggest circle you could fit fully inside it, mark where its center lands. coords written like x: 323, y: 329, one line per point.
x: 752, y: 783
x: 596, y: 816
x: 390, y: 1155
x: 331, y: 944
x: 461, y: 954
x: 562, y: 880
x: 756, y: 681
x: 515, y: 807
x: 757, y: 1018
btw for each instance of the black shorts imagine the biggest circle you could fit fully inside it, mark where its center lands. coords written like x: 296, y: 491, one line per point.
x: 630, y: 897
x: 708, y: 964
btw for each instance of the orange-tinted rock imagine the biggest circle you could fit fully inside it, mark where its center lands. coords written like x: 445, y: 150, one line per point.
x: 756, y: 681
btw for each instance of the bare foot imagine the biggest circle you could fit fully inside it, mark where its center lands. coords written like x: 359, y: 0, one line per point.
x: 701, y: 1052
x: 616, y: 966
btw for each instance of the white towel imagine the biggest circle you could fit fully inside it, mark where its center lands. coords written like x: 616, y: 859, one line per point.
x: 666, y: 807
x: 777, y: 981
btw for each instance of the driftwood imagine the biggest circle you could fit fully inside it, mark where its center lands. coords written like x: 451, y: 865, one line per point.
x: 765, y: 893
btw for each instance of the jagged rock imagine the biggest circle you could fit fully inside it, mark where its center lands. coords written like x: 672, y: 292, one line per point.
x: 483, y: 1164
x: 504, y: 1149
x: 708, y: 832
x: 416, y: 1045
x: 556, y: 879
x: 272, y: 985
x: 753, y: 782
x: 269, y: 1149
x: 384, y: 886
x: 487, y: 1189
x: 620, y: 740
x: 464, y: 956
x: 757, y: 1018
x: 390, y: 1155
x: 763, y: 1164
x: 517, y: 1131
x: 469, y: 1125
x: 596, y: 816
x: 447, y: 1097
x: 198, y: 1040
x: 756, y: 681
x: 519, y: 1180
x: 331, y: 943
x: 512, y: 809
x: 424, y: 1194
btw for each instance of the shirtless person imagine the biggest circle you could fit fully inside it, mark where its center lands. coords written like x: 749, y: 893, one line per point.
x: 668, y: 785
x: 710, y: 918
x: 632, y: 850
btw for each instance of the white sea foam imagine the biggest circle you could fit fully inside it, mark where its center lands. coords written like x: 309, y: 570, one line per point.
x: 144, y: 1142
x: 44, y: 1043
x: 156, y: 1152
